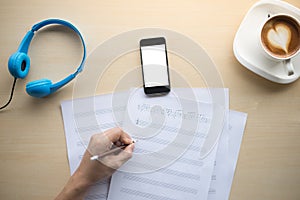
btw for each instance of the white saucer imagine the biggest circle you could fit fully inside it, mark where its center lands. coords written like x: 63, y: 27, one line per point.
x: 246, y: 45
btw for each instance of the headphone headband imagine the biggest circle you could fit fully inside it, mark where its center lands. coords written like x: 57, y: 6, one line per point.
x: 24, y: 46
x: 19, y: 62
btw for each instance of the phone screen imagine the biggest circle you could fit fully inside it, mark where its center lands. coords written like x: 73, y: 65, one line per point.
x: 155, y: 65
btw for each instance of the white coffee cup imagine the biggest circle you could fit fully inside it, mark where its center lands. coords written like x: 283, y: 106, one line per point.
x: 280, y: 39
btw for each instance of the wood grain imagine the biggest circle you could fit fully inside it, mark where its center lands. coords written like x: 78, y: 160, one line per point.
x: 33, y: 159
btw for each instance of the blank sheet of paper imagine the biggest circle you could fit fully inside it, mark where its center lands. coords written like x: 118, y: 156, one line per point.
x: 227, y: 156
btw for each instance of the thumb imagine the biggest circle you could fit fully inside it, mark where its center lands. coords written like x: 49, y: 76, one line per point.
x: 129, y: 148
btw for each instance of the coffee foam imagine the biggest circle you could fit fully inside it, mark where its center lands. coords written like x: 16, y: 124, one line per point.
x: 281, y: 36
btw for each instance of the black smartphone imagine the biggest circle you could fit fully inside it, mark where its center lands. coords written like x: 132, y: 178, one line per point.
x: 155, y: 69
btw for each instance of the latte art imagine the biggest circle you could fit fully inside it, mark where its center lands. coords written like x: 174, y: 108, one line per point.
x: 281, y: 36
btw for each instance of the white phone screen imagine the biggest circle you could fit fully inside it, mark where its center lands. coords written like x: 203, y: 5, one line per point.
x: 155, y: 67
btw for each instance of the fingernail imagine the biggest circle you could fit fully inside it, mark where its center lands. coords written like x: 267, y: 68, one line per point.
x: 132, y: 145
x: 128, y: 141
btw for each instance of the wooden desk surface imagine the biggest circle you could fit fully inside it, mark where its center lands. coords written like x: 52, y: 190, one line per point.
x: 33, y: 159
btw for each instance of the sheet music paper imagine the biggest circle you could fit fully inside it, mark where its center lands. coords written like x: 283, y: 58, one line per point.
x: 103, y: 103
x: 188, y: 177
x: 81, y: 119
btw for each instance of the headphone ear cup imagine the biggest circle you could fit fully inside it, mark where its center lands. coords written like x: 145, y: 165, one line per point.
x: 19, y: 64
x: 39, y: 88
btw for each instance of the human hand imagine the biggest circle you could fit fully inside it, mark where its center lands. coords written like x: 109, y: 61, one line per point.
x: 90, y: 171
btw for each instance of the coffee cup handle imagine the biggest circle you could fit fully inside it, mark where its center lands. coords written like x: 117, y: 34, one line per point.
x: 289, y: 66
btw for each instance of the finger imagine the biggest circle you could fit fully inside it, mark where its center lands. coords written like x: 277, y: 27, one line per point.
x: 122, y: 157
x: 129, y: 148
x: 125, y: 154
x: 116, y: 161
x: 117, y: 134
x: 118, y: 143
x: 99, y: 143
x: 125, y: 138
x: 113, y: 134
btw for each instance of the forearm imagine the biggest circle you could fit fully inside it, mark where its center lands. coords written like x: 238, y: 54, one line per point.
x: 75, y: 189
x: 91, y: 171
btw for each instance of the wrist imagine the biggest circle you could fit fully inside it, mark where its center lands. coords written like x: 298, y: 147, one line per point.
x: 75, y: 189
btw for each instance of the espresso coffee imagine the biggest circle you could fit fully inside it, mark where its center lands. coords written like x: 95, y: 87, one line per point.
x: 280, y: 36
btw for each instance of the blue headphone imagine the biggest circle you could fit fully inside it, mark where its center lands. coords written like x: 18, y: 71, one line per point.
x: 19, y: 62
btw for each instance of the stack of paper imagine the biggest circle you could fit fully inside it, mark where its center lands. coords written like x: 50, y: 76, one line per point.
x: 167, y: 165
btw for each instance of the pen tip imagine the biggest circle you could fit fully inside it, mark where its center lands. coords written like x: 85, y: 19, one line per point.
x: 94, y: 158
